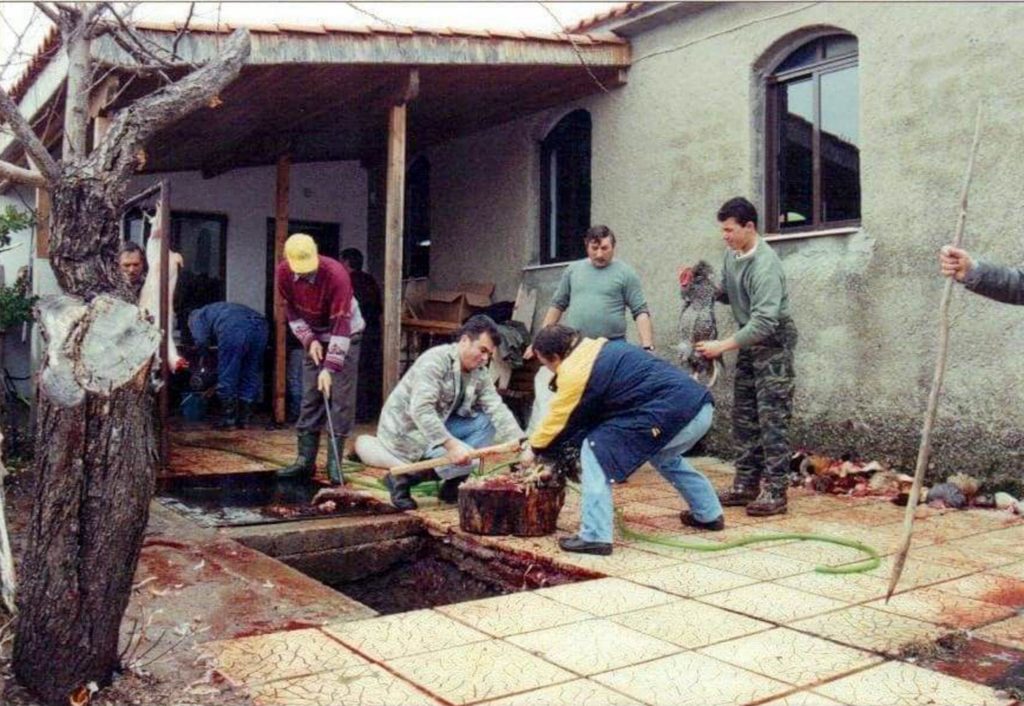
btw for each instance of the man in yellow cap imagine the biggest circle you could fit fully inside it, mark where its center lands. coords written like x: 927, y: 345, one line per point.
x: 324, y: 315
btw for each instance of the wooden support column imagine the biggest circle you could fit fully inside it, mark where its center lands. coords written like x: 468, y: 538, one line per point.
x: 42, y: 223
x: 394, y: 216
x: 284, y: 164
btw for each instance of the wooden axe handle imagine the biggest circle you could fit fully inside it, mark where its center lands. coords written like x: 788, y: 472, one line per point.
x: 507, y: 447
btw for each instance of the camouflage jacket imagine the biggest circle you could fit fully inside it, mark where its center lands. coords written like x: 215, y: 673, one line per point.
x: 413, y: 419
x: 1004, y: 284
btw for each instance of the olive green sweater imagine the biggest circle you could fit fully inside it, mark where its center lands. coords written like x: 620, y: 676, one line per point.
x: 754, y: 285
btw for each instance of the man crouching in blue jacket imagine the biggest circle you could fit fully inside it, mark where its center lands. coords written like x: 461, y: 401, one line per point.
x: 624, y: 407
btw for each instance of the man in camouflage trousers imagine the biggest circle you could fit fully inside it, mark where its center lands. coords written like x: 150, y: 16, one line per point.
x: 754, y: 285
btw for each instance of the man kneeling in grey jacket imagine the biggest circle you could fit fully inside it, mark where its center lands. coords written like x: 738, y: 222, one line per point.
x: 445, y: 405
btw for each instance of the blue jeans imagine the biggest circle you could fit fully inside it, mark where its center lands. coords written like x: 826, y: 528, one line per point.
x: 240, y: 360
x: 596, y: 521
x: 476, y: 432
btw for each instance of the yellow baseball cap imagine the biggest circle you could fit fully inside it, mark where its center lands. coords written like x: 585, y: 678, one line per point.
x: 300, y: 252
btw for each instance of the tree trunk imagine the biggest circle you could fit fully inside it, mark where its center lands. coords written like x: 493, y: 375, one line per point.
x: 509, y: 509
x: 93, y: 486
x: 91, y: 506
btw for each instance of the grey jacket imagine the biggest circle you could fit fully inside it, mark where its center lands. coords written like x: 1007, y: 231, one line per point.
x: 413, y: 419
x: 1004, y: 284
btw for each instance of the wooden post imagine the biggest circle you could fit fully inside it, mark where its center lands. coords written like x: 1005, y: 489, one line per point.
x: 42, y: 223
x: 393, y: 222
x: 284, y: 163
x: 165, y: 319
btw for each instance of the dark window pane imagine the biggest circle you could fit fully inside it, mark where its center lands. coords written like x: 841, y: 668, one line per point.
x: 795, y: 164
x: 840, y: 45
x: 804, y: 56
x: 840, y: 153
x: 416, y: 257
x: 565, y: 160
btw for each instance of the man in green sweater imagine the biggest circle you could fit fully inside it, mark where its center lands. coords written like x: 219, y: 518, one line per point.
x: 754, y: 284
x: 594, y: 295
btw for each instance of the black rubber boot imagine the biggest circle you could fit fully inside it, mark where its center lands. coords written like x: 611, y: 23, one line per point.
x: 771, y: 501
x: 244, y: 414
x: 738, y: 496
x: 305, y: 462
x: 228, y: 413
x: 333, y: 463
x: 400, y: 487
x: 449, y: 490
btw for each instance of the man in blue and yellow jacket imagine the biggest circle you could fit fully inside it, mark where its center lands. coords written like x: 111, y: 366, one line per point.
x: 622, y: 406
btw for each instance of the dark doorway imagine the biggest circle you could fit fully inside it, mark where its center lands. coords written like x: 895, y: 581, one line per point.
x: 328, y: 242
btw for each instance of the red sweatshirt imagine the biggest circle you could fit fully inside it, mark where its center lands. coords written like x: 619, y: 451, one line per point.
x: 320, y: 307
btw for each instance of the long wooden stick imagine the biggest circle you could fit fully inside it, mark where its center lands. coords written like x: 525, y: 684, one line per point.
x: 925, y: 450
x: 505, y: 448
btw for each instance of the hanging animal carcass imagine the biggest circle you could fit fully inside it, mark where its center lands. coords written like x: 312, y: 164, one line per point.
x: 697, y: 321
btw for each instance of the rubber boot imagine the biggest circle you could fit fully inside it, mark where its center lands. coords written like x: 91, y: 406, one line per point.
x: 228, y: 413
x: 771, y: 501
x: 449, y: 490
x: 333, y: 464
x: 244, y: 414
x: 305, y: 463
x: 400, y: 487
x: 738, y: 496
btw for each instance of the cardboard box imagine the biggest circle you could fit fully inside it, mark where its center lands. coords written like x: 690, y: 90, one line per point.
x: 452, y: 306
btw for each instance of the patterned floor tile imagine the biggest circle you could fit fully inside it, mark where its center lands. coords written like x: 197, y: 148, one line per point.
x: 1009, y: 633
x: 870, y: 629
x: 816, y: 553
x: 760, y: 565
x: 901, y: 684
x: 963, y: 552
x: 918, y: 573
x: 280, y: 655
x: 690, y: 579
x: 1015, y: 570
x: 851, y: 588
x: 638, y: 511
x: 690, y: 679
x: 512, y: 614
x: 943, y: 608
x: 690, y: 624
x: 623, y: 560
x: 581, y: 692
x: 482, y: 670
x: 793, y: 657
x: 803, y: 698
x: 607, y: 596
x: 403, y: 634
x: 593, y: 646
x: 367, y: 685
x: 989, y: 587
x: 774, y: 602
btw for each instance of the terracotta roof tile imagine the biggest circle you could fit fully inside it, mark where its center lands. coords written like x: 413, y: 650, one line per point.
x: 302, y: 29
x: 618, y: 11
x: 347, y: 29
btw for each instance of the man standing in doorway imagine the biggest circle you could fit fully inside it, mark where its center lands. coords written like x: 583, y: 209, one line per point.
x: 754, y: 285
x: 371, y: 304
x: 132, y: 261
x: 325, y: 317
x: 593, y: 295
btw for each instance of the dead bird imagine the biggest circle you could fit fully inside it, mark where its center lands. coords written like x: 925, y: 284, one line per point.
x: 697, y: 321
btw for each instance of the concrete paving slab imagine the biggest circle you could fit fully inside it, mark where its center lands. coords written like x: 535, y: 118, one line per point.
x: 280, y: 655
x: 942, y: 608
x: 870, y: 629
x: 690, y: 624
x: 773, y: 602
x: 404, y: 634
x: 901, y: 684
x: 1005, y: 632
x: 574, y: 693
x: 364, y: 685
x: 512, y: 614
x: 608, y: 596
x: 690, y: 579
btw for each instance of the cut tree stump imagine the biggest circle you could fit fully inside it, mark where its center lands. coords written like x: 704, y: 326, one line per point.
x: 509, y: 508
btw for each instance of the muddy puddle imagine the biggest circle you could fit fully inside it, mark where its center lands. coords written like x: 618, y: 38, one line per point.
x: 243, y: 499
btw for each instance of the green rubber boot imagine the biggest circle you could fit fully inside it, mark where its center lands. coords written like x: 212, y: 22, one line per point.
x: 333, y: 463
x: 305, y: 462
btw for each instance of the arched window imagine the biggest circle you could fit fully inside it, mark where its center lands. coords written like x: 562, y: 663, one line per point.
x: 813, y: 145
x: 565, y: 188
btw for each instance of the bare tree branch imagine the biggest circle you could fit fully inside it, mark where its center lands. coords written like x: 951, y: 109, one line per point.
x: 133, y: 126
x: 21, y: 175
x: 182, y: 31
x: 32, y: 144
x: 50, y: 12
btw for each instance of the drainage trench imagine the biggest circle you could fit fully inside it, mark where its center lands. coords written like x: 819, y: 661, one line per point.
x: 385, y: 560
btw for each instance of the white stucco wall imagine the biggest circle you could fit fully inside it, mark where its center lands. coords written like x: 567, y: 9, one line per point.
x: 685, y: 134
x: 18, y: 342
x: 328, y: 191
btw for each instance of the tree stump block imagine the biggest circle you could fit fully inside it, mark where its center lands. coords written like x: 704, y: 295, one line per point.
x: 510, y: 508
